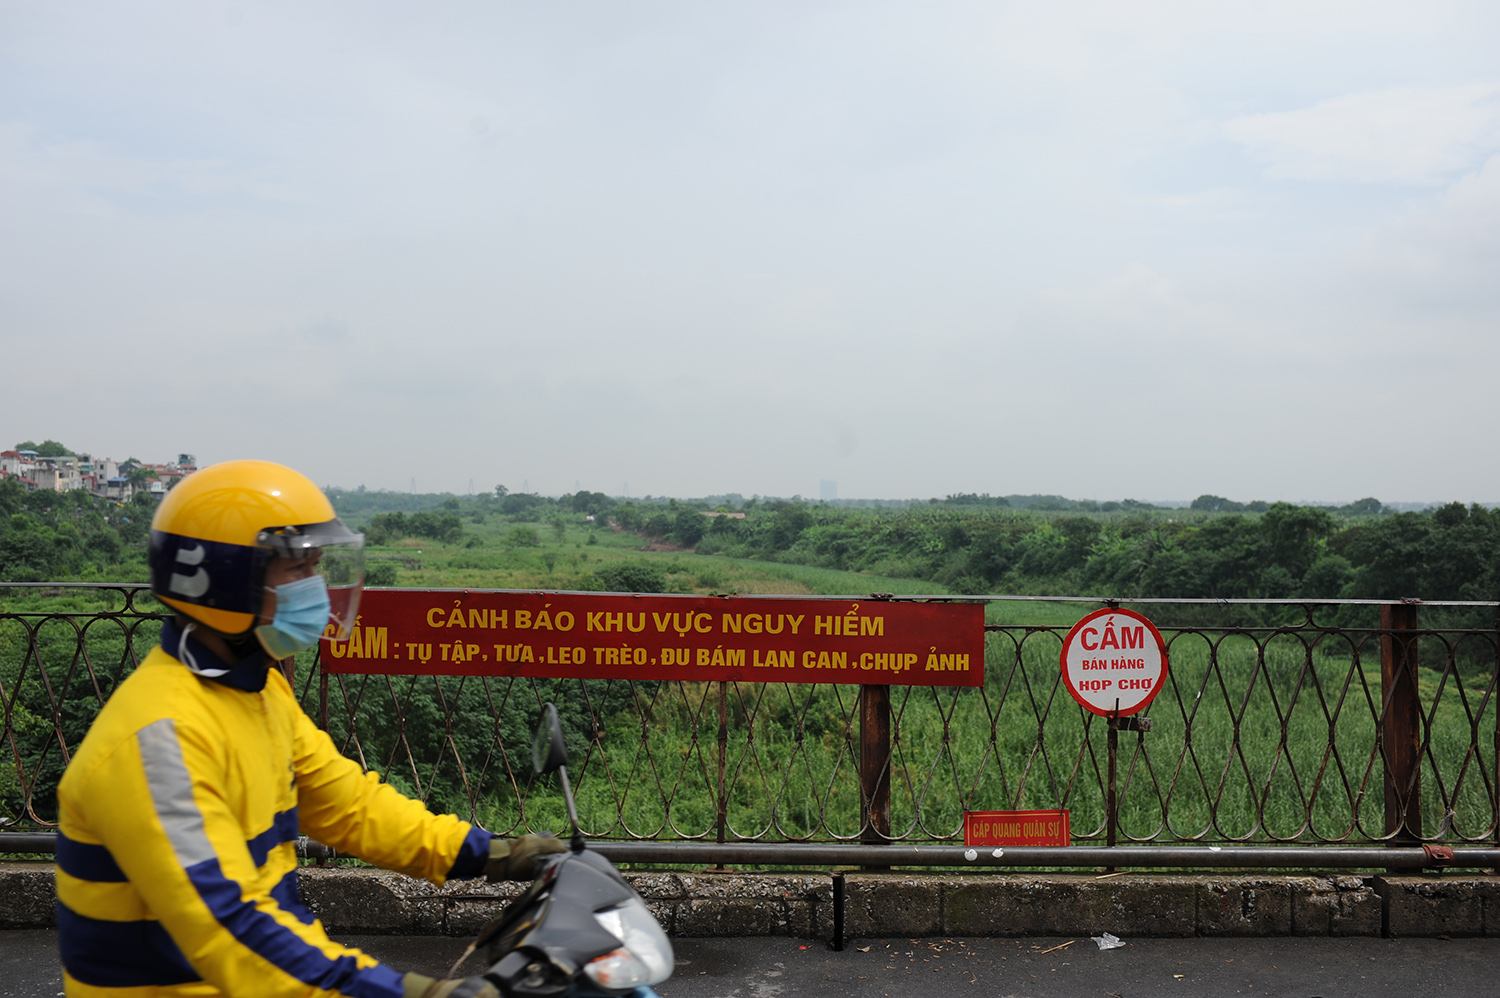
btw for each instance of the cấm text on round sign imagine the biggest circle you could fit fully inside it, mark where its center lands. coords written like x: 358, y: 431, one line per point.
x: 1114, y: 662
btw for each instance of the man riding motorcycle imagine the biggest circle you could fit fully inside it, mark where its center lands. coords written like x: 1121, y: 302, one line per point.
x: 176, y: 852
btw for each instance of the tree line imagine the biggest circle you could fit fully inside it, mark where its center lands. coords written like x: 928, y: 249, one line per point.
x: 1287, y: 551
x: 1213, y: 549
x: 1050, y: 545
x: 1210, y: 550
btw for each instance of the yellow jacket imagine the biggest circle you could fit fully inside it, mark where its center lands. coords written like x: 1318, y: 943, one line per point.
x: 176, y: 862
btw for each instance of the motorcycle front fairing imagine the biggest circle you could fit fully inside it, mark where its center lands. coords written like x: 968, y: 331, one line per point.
x: 548, y: 935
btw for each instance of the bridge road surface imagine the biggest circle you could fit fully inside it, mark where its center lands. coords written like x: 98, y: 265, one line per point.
x: 777, y: 967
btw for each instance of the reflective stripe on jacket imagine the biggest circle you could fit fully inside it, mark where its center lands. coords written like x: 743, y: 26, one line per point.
x: 176, y: 862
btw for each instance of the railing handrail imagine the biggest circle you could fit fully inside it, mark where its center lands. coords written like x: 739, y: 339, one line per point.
x: 962, y: 857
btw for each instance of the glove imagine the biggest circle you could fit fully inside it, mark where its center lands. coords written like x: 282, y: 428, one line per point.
x: 516, y: 859
x: 420, y: 986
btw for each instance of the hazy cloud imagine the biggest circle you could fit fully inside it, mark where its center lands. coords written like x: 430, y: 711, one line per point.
x: 917, y: 248
x: 1405, y: 136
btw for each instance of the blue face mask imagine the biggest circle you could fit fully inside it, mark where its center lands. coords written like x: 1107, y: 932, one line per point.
x: 302, y: 609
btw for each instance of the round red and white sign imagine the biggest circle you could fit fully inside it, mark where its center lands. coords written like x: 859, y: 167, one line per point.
x: 1114, y: 662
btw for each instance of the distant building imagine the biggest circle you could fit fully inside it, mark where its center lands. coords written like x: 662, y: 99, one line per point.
x: 828, y: 491
x: 17, y: 462
x: 57, y: 474
x: 104, y: 478
x: 100, y: 469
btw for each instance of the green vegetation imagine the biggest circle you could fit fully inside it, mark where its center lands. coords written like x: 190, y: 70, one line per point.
x: 790, y: 755
x: 1263, y: 717
x: 85, y: 657
x: 69, y: 536
x: 1024, y: 545
x: 1020, y: 742
x: 47, y: 448
x: 1036, y: 545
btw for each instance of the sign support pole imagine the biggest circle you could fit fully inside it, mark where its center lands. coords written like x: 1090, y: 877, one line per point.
x: 1401, y: 724
x: 1110, y: 802
x: 322, y: 693
x: 723, y: 802
x: 1114, y: 662
x: 875, y: 766
x: 1117, y: 724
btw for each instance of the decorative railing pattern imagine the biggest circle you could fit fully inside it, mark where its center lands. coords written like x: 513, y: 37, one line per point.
x: 1281, y: 722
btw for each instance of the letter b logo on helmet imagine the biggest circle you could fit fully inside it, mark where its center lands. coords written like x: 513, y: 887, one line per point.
x: 218, y: 529
x: 190, y: 586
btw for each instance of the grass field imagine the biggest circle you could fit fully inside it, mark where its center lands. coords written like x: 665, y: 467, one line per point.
x: 489, y: 557
x: 1247, y: 745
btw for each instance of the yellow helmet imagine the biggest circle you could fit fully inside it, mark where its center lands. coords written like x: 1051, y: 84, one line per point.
x: 217, y: 530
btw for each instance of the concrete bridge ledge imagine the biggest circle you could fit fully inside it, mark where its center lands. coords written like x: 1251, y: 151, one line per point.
x: 365, y: 901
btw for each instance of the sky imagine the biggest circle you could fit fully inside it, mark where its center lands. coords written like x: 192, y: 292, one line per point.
x: 1147, y: 250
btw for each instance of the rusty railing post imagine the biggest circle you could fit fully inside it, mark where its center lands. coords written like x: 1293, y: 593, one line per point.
x: 875, y: 766
x: 722, y: 805
x: 1400, y: 728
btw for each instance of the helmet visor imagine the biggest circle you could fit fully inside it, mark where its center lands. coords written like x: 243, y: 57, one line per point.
x: 340, y: 554
x: 343, y: 569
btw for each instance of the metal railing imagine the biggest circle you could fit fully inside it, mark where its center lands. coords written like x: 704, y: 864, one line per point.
x: 1282, y: 723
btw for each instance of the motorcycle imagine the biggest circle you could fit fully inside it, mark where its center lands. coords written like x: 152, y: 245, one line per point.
x: 579, y: 930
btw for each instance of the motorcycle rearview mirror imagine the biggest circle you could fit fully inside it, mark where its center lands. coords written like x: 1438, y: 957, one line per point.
x: 549, y: 755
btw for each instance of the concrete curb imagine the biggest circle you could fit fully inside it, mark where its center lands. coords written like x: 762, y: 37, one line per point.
x: 360, y: 900
x: 1135, y: 905
x: 28, y: 898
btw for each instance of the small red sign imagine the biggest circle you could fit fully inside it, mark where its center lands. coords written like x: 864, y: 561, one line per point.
x: 450, y: 632
x: 1016, y: 828
x: 1114, y: 662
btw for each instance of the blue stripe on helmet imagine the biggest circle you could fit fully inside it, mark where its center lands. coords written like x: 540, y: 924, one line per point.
x: 207, y: 573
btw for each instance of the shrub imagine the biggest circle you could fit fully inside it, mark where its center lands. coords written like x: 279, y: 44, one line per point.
x: 522, y: 537
x: 631, y: 579
x: 380, y: 573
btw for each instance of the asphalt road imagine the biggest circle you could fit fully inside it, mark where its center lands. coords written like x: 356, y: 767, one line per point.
x: 992, y: 968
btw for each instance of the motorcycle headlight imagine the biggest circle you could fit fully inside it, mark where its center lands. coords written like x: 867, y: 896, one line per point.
x: 645, y: 956
x: 617, y: 971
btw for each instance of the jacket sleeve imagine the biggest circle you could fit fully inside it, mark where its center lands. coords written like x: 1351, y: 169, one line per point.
x: 176, y: 838
x: 354, y: 812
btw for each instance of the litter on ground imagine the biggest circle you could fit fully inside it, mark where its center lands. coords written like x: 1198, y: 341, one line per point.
x: 1108, y: 941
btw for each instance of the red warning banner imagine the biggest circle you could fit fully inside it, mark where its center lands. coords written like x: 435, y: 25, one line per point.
x: 447, y: 632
